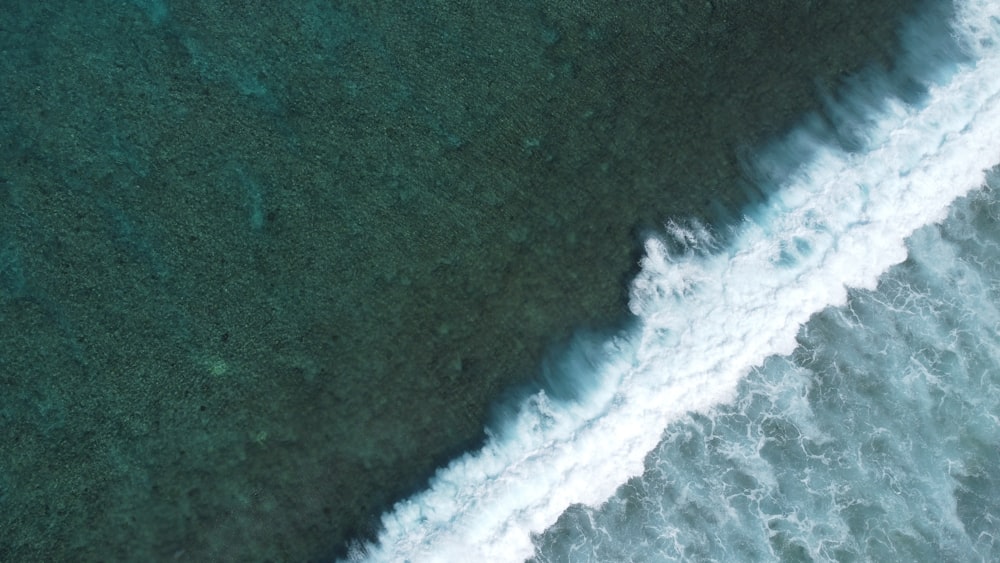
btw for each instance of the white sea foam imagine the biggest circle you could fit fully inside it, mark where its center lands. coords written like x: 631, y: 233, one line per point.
x: 706, y: 319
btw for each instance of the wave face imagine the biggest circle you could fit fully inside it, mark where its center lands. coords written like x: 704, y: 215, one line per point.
x: 873, y: 434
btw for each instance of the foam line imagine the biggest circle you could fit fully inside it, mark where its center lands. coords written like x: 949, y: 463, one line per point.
x: 707, y: 318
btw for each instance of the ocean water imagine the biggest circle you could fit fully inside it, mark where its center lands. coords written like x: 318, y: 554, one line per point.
x: 820, y: 384
x: 264, y: 268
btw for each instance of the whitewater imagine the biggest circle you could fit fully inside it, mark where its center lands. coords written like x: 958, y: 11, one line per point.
x: 711, y: 311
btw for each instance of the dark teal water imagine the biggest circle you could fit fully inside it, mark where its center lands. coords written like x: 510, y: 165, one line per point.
x: 262, y: 269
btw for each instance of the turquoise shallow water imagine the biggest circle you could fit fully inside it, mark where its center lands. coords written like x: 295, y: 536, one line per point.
x: 263, y: 270
x: 876, y: 440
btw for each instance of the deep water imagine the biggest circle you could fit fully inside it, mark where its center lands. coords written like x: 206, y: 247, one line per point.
x: 265, y: 268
